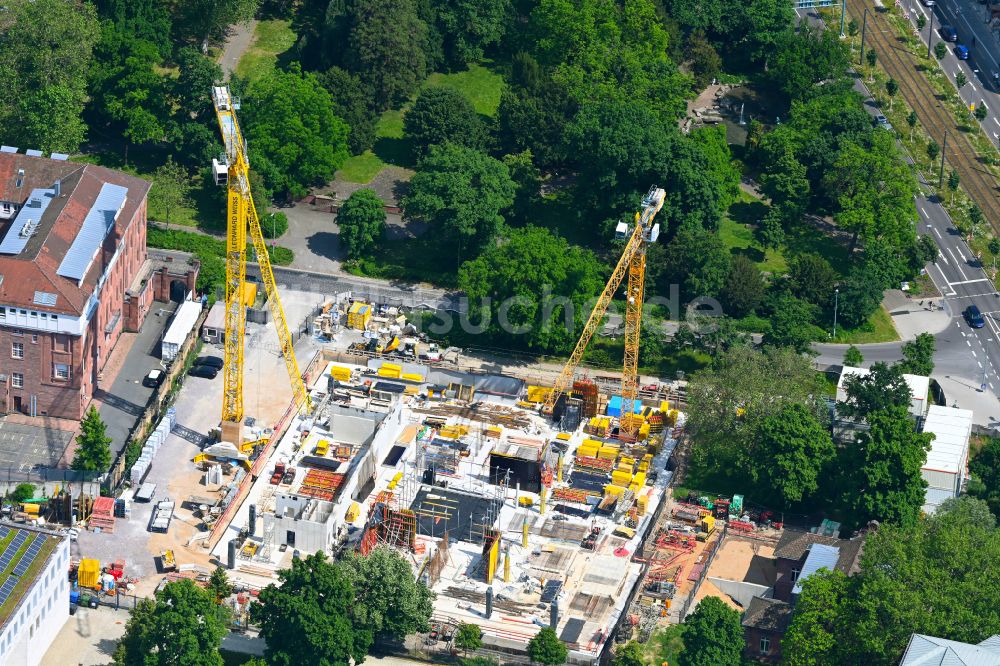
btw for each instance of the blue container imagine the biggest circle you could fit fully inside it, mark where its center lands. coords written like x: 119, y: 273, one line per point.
x: 615, y: 406
x: 74, y: 597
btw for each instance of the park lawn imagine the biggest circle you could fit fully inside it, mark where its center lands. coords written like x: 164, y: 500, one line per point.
x: 480, y: 85
x: 878, y: 328
x: 739, y: 239
x: 420, y: 259
x: 270, y: 39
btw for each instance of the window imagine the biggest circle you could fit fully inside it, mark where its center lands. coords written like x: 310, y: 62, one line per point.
x: 795, y: 575
x: 17, y: 350
x: 60, y: 343
x: 60, y: 371
x: 17, y: 331
x: 765, y: 645
x: 17, y: 380
x: 3, y: 313
x: 34, y: 338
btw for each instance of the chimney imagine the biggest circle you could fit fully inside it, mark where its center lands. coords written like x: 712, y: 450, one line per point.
x: 58, y: 187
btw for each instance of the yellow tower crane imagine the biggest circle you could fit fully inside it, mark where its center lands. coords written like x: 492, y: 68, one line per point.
x: 632, y: 262
x: 241, y: 213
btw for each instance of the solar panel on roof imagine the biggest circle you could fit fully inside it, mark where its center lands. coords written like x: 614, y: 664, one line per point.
x: 8, y: 149
x: 31, y: 152
x: 44, y: 298
x: 95, y: 228
x: 62, y: 157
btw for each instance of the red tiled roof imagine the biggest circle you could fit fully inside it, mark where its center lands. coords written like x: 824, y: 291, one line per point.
x: 34, y: 269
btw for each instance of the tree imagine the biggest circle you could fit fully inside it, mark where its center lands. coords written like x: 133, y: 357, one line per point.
x: 882, y: 387
x: 871, y: 57
x: 853, y: 357
x: 462, y: 193
x: 629, y: 654
x: 219, y: 586
x: 704, y: 60
x: 470, y: 27
x: 295, y: 140
x: 981, y: 112
x: 911, y: 120
x: 729, y: 400
x: 22, y: 492
x: 712, y: 635
x: 794, y: 449
x: 309, y: 618
x: 468, y: 637
x: 791, y: 323
x: 45, y: 55
x: 805, y: 58
x: 960, y: 80
x: 352, y: 102
x: 698, y: 261
x: 182, y: 625
x: 546, y: 648
x: 441, y: 114
x: 860, y: 296
x: 921, y: 21
x: 534, y: 288
x: 976, y: 219
x: 812, y: 278
x: 785, y: 182
x: 953, y: 181
x: 528, y: 185
x: 918, y: 356
x: 744, y: 288
x: 933, y: 150
x: 891, y: 88
x: 985, y: 468
x: 925, y: 251
x: 388, y: 599
x: 884, y: 479
x: 92, y: 452
x: 770, y: 230
x: 148, y: 20
x: 923, y: 578
x: 994, y: 246
x: 202, y: 20
x: 385, y: 49
x: 171, y: 186
x: 940, y: 50
x: 362, y: 222
x: 815, y: 634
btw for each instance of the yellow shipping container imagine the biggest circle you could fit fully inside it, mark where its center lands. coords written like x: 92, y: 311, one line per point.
x: 621, y: 478
x: 358, y: 316
x: 538, y: 393
x: 624, y: 468
x: 563, y: 437
x: 639, y: 479
x: 612, y: 489
x: 391, y: 373
x: 88, y: 574
x: 340, y: 373
x: 411, y: 376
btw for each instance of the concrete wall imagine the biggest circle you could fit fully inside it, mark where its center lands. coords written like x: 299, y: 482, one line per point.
x: 942, y: 480
x: 310, y: 536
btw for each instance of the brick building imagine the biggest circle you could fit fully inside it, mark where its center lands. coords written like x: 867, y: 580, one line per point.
x: 74, y: 274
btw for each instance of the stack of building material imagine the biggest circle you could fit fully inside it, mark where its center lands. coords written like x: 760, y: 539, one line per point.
x: 103, y: 515
x: 162, y: 515
x: 321, y: 484
x: 152, y: 445
x: 593, y: 465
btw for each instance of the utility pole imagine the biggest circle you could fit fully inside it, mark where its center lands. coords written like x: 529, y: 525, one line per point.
x: 944, y: 147
x: 930, y: 33
x: 864, y: 28
x: 836, y: 303
x: 843, y: 13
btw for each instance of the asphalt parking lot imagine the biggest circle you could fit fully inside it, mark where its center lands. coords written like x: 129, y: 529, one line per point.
x: 25, y: 447
x: 123, y: 404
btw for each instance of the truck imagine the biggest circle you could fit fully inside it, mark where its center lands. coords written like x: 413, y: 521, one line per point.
x: 167, y: 561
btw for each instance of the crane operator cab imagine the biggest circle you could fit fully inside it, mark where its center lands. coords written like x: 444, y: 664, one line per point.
x: 220, y: 171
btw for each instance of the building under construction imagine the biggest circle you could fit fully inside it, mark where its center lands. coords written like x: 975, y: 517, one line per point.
x: 515, y: 524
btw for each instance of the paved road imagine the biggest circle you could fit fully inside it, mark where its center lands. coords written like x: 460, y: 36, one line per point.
x: 236, y: 45
x: 969, y: 18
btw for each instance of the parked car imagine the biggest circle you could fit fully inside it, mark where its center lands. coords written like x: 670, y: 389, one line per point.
x: 210, y: 361
x: 948, y: 33
x: 961, y: 52
x: 205, y: 371
x: 883, y: 122
x: 974, y: 317
x: 928, y: 3
x: 153, y: 379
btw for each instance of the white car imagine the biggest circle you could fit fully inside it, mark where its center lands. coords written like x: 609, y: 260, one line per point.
x: 928, y: 3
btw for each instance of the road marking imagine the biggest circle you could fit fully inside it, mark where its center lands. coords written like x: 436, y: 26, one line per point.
x: 936, y: 232
x: 951, y: 289
x: 985, y: 293
x: 996, y: 121
x: 979, y: 362
x: 969, y: 342
x: 923, y: 212
x: 958, y: 248
x: 969, y: 281
x: 961, y: 272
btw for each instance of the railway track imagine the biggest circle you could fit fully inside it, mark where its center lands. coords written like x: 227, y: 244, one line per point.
x: 960, y: 155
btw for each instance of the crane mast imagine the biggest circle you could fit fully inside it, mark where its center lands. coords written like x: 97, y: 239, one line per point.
x: 632, y: 263
x: 241, y: 214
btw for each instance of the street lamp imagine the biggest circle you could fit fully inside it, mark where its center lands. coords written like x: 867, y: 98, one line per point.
x: 836, y: 302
